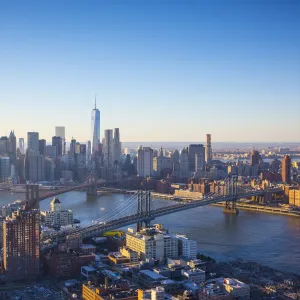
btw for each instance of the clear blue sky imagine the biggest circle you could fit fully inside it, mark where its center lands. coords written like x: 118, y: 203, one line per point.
x: 162, y: 70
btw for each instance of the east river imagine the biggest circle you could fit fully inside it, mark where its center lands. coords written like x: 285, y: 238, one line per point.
x: 271, y: 240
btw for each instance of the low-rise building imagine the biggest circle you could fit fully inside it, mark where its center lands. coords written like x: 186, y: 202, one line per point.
x: 130, y: 254
x: 170, y: 286
x: 88, y: 271
x: 148, y: 278
x: 214, y: 291
x: 117, y: 258
x: 91, y: 291
x: 158, y: 293
x: 57, y: 216
x: 66, y: 265
x: 186, y: 247
x: 294, y: 197
x: 197, y: 263
x: 195, y: 275
x: 152, y: 243
x: 236, y: 288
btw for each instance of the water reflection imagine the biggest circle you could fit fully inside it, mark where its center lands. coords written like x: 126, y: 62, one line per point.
x: 269, y: 239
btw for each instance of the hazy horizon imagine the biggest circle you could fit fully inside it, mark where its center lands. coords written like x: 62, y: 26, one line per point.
x: 165, y: 70
x: 215, y: 145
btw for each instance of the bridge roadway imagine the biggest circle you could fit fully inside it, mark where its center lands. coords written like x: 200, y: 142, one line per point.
x: 96, y: 229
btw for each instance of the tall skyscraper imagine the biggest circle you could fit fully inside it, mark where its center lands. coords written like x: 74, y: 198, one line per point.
x: 73, y: 145
x: 4, y: 145
x: 199, y: 162
x: 108, y: 148
x: 58, y: 142
x: 50, y: 151
x: 34, y: 166
x: 42, y: 147
x: 95, y: 128
x: 21, y: 243
x: 88, y: 151
x: 61, y: 131
x: 21, y: 145
x: 193, y: 150
x: 254, y: 157
x: 33, y: 140
x: 286, y: 169
x: 145, y: 161
x: 5, y: 171
x: 175, y: 156
x: 12, y: 144
x: 80, y: 154
x: 208, y: 150
x: 117, y: 145
x: 184, y: 163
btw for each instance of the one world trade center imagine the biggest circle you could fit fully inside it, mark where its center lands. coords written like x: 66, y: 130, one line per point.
x: 95, y: 126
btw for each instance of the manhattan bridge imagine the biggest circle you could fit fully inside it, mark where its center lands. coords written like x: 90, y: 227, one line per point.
x: 137, y: 208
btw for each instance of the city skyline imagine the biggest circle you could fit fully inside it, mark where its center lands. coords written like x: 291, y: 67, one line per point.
x: 228, y: 68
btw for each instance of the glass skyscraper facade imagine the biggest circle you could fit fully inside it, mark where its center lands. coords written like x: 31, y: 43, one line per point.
x: 95, y: 128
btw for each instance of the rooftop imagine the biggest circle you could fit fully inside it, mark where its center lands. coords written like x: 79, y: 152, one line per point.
x: 167, y: 281
x: 55, y: 201
x: 149, y: 233
x: 214, y: 289
x: 234, y: 282
x: 112, y: 292
x: 116, y: 254
x: 152, y: 275
x: 110, y: 274
x: 87, y: 246
x: 194, y: 271
x: 88, y: 268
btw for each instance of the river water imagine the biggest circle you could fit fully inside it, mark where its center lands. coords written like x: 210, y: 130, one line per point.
x: 271, y: 240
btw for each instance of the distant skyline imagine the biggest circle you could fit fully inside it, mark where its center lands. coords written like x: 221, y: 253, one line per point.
x: 162, y: 70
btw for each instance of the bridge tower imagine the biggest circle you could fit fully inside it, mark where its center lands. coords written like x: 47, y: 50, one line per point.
x: 232, y: 192
x: 32, y: 195
x: 91, y: 190
x: 143, y: 208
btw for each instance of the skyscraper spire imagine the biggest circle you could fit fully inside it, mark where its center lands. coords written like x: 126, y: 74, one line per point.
x: 95, y: 101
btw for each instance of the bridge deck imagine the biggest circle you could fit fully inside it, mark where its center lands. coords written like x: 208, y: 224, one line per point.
x: 96, y: 229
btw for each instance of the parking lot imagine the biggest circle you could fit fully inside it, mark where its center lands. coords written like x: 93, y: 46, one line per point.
x: 33, y: 292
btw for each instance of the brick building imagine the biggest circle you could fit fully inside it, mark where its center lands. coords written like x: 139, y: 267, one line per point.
x: 21, y: 243
x: 67, y: 264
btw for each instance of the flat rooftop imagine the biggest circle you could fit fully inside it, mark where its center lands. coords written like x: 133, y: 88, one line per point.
x: 153, y: 275
x: 89, y: 268
x: 234, y: 282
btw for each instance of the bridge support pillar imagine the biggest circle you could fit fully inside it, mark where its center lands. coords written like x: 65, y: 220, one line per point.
x: 267, y: 197
x: 91, y: 190
x: 231, y: 190
x: 143, y: 208
x: 230, y: 207
x: 139, y: 225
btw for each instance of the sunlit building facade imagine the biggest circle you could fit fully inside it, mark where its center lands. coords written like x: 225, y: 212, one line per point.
x: 21, y: 243
x: 95, y: 128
